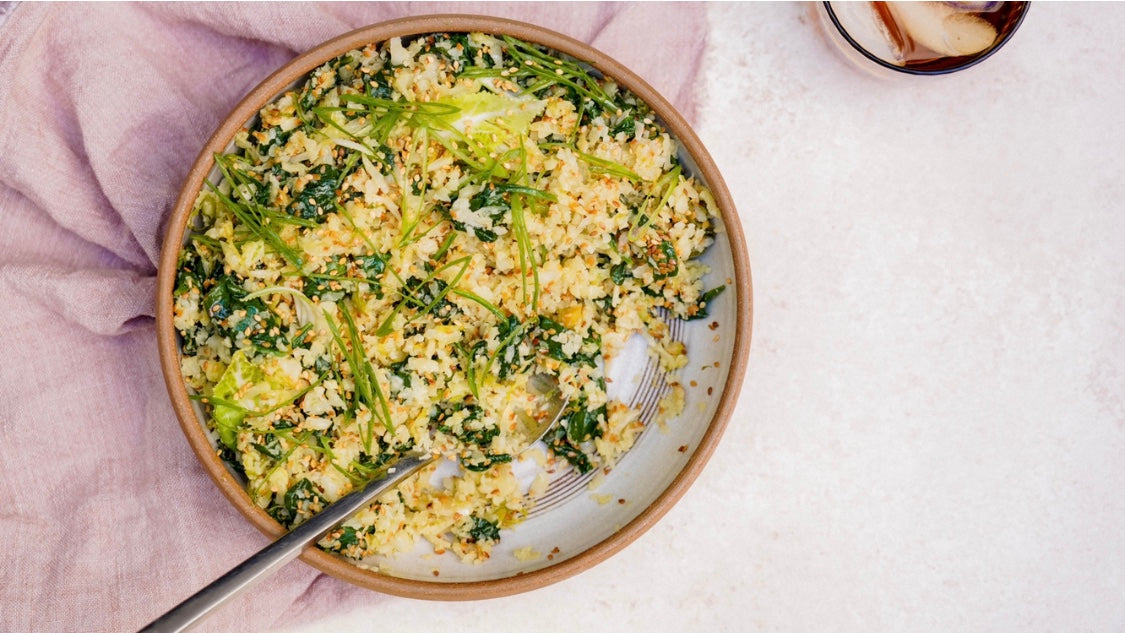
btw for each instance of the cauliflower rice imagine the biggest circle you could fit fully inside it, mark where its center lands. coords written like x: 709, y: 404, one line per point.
x: 396, y: 246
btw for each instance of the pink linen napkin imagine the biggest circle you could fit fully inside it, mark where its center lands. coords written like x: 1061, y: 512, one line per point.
x: 107, y: 518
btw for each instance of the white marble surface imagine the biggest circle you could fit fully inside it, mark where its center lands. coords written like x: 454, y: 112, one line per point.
x: 931, y: 435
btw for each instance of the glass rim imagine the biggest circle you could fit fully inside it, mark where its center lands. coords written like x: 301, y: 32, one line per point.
x: 827, y: 4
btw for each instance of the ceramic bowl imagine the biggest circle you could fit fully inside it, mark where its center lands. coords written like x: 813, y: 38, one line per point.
x: 572, y: 527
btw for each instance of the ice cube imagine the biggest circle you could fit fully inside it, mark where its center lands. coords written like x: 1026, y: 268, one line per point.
x: 942, y: 28
x: 861, y: 21
x: 969, y: 34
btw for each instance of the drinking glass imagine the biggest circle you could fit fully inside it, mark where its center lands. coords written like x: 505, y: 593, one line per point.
x: 921, y: 38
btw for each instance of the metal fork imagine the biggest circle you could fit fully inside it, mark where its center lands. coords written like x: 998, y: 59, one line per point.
x: 271, y: 558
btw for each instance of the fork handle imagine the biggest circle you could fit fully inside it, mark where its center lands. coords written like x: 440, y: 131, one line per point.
x: 272, y: 557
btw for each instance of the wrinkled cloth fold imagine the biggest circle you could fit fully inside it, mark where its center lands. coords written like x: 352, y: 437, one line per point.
x: 108, y: 519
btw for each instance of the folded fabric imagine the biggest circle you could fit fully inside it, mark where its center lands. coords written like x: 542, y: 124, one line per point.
x: 107, y: 517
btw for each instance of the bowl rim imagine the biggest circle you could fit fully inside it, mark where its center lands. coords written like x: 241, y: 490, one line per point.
x: 274, y: 84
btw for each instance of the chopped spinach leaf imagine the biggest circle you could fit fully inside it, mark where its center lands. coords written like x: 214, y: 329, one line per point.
x: 402, y: 374
x: 378, y: 85
x: 484, y: 530
x: 489, y: 197
x: 627, y: 126
x: 323, y: 286
x: 367, y: 466
x: 474, y: 426
x: 549, y: 344
x: 189, y: 272
x: 562, y: 446
x: 491, y: 459
x: 270, y: 447
x: 508, y: 357
x: 347, y: 536
x: 700, y: 309
x: 583, y: 424
x: 270, y: 138
x: 231, y: 458
x: 418, y: 294
x: 372, y: 265
x: 491, y: 201
x: 663, y: 260
x: 319, y: 195
x: 228, y: 309
x: 301, y: 498
x: 620, y: 272
x: 386, y: 160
